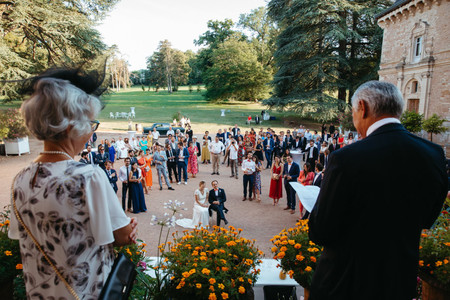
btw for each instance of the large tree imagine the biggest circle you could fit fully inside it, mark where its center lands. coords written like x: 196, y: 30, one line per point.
x: 40, y: 33
x: 168, y: 66
x: 325, y: 49
x: 236, y: 73
x: 263, y: 33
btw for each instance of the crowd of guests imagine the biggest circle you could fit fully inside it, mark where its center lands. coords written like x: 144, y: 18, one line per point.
x: 177, y: 157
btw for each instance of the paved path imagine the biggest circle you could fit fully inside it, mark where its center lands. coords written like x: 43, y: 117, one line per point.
x: 260, y: 221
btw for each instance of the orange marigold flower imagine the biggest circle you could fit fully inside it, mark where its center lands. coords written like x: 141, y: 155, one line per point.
x: 212, y: 296
x: 198, y: 285
x: 308, y: 269
x: 274, y: 249
x: 212, y: 281
x: 290, y: 273
x: 186, y: 274
x: 299, y: 257
x: 297, y: 246
x: 224, y: 295
x: 192, y: 271
x: 313, y: 259
x: 224, y: 269
x: 250, y: 281
x: 438, y: 263
x: 221, y: 286
x: 281, y: 255
x: 283, y: 249
x: 241, y: 290
x: 445, y: 261
x: 447, y: 244
x: 291, y: 242
x: 211, y: 288
x: 19, y: 267
x: 241, y: 279
x: 8, y: 253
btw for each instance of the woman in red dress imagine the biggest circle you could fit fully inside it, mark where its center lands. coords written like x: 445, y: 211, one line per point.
x: 276, y: 181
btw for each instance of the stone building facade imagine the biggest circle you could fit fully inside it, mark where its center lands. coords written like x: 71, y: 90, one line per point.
x: 416, y: 55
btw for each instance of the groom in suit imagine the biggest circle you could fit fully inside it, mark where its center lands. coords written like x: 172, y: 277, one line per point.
x: 382, y: 210
x: 216, y: 200
x: 291, y: 172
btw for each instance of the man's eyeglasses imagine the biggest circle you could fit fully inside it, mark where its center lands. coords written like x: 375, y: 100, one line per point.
x: 94, y: 125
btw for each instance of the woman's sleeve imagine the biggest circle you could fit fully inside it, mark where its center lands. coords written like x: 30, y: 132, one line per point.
x: 106, y: 214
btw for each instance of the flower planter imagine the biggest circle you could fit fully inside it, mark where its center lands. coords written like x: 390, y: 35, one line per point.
x: 432, y: 292
x: 17, y: 146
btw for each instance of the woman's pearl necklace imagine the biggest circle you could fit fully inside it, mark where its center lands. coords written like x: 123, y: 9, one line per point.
x: 57, y: 153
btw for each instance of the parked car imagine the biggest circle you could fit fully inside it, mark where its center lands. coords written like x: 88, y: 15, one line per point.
x: 162, y: 128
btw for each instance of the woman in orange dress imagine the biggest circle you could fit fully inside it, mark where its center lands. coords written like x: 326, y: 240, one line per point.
x: 142, y: 166
x: 148, y: 165
x: 306, y: 178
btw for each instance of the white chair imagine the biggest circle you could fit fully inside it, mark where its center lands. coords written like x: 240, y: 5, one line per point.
x: 111, y: 115
x: 117, y: 115
x: 133, y: 115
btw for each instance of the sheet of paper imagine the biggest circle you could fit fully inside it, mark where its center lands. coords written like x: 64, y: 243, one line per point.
x: 307, y: 194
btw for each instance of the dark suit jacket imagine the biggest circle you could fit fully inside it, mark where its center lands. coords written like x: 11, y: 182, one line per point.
x: 297, y: 145
x: 294, y: 172
x: 269, y: 142
x: 185, y: 154
x: 371, y: 208
x: 112, y: 179
x: 102, y: 158
x: 318, y: 180
x: 174, y: 153
x: 199, y: 147
x: 333, y: 147
x: 221, y: 198
x: 315, y: 153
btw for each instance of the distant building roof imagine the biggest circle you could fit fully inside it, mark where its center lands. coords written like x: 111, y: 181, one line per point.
x: 396, y: 5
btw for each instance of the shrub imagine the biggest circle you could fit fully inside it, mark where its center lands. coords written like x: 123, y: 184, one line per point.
x: 434, y: 124
x: 412, y: 121
x: 11, y: 124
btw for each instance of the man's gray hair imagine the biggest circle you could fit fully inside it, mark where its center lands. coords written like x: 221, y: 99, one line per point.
x: 55, y: 105
x: 383, y: 98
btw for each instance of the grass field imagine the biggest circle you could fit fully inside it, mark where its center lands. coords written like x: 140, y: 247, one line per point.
x: 151, y: 107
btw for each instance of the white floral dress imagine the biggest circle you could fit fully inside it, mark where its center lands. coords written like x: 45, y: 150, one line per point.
x: 72, y: 211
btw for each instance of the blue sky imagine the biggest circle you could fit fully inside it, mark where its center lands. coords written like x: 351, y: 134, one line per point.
x: 137, y: 26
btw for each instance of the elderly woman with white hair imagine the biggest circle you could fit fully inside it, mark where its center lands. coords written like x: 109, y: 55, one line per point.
x: 66, y: 207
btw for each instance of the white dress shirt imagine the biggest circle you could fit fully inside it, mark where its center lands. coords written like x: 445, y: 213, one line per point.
x: 123, y: 173
x: 380, y: 123
x: 216, y: 148
x: 249, y: 166
x: 234, y: 151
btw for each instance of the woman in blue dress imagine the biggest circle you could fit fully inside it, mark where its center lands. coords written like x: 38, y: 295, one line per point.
x: 136, y: 190
x: 111, y: 151
x: 143, y: 144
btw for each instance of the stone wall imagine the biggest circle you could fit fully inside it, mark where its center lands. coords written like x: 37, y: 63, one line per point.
x: 428, y: 19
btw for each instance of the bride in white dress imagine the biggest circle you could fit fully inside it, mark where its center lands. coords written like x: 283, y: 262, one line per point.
x: 200, y: 216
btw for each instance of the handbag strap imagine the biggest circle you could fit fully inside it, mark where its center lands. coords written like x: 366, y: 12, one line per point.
x: 71, y: 290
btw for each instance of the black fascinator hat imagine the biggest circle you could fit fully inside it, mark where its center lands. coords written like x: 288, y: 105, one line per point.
x: 90, y: 82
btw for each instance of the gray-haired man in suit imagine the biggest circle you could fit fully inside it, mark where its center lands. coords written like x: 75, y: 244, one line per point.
x: 160, y: 159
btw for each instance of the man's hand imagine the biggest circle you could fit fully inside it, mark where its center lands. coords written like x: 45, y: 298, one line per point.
x: 216, y: 202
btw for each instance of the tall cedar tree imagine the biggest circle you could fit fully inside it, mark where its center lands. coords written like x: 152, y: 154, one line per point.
x: 326, y: 48
x: 40, y: 33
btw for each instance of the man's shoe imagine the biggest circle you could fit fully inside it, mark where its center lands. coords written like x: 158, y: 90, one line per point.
x: 292, y: 212
x: 286, y: 208
x: 244, y: 199
x: 218, y: 173
x: 237, y: 177
x: 179, y: 182
x: 185, y: 182
x: 226, y: 222
x: 160, y: 188
x: 231, y: 176
x: 171, y: 188
x: 213, y: 173
x: 225, y: 210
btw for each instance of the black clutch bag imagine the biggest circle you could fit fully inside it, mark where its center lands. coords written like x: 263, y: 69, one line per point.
x: 120, y: 281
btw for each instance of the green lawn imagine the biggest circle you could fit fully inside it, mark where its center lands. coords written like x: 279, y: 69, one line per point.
x: 154, y: 107
x: 151, y: 107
